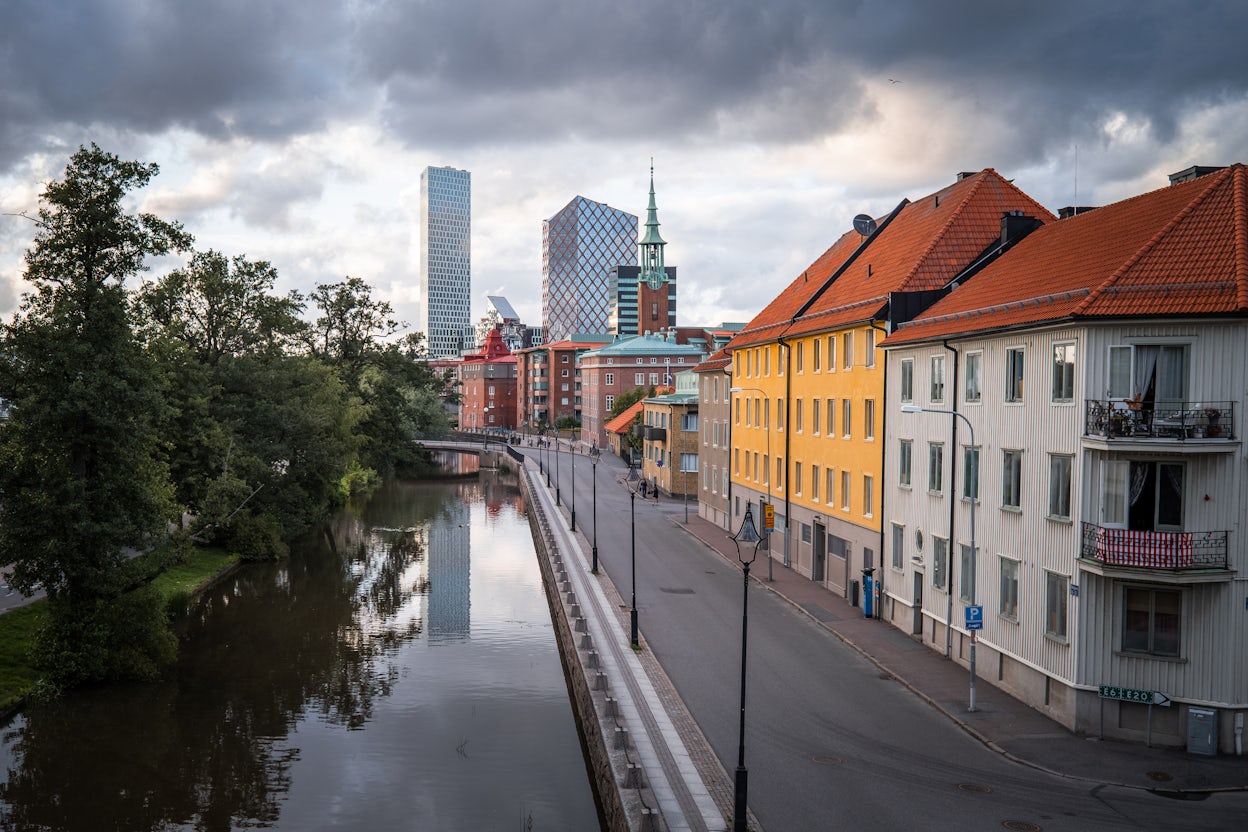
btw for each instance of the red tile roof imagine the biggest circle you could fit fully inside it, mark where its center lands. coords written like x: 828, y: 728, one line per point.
x: 1181, y: 250
x: 925, y: 245
x: 620, y: 423
x: 718, y: 361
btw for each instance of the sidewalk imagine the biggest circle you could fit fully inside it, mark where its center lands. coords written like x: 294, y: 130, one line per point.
x: 1000, y: 721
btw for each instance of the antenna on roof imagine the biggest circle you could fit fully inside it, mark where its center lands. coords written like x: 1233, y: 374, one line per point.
x: 864, y: 224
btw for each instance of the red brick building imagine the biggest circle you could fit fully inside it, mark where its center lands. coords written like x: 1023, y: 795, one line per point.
x: 488, y: 392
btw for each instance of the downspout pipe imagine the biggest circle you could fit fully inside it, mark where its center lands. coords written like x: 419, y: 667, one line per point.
x: 788, y: 404
x: 953, y: 501
x: 883, y: 471
x: 728, y: 391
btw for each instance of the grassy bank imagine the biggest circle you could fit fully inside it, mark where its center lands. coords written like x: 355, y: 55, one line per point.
x: 177, y: 585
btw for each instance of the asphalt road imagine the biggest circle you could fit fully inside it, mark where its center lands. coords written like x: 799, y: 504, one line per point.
x: 830, y: 744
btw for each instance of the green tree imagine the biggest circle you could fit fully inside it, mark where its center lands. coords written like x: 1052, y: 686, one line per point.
x: 80, y: 473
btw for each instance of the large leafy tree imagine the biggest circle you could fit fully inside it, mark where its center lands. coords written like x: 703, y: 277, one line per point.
x: 80, y: 474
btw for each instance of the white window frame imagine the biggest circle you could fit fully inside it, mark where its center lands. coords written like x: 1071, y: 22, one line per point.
x: 1011, y: 479
x: 1061, y: 472
x: 974, y: 387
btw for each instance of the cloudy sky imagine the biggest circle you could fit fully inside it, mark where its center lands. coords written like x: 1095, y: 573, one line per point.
x: 295, y: 131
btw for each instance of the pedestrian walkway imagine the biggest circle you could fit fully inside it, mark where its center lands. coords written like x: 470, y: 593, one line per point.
x: 1000, y: 721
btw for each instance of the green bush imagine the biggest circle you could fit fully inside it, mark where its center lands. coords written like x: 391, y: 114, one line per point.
x: 257, y: 537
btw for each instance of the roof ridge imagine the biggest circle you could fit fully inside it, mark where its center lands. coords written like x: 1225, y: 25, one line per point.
x: 1240, y: 218
x: 1216, y: 179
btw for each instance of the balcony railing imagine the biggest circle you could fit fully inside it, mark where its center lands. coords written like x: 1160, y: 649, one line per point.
x: 1155, y: 550
x: 1118, y: 418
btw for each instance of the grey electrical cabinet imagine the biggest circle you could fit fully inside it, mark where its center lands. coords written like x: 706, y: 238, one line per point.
x: 1202, y: 731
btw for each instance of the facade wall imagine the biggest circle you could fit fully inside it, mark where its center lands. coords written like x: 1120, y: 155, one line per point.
x: 445, y: 259
x: 713, y: 451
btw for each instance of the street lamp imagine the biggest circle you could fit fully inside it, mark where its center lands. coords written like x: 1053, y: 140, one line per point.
x: 748, y: 533
x: 556, y: 466
x: 572, y: 446
x: 631, y: 483
x: 914, y: 408
x: 594, y: 454
x: 767, y: 472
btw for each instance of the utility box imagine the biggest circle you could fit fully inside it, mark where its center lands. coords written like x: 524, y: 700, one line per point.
x: 1202, y: 731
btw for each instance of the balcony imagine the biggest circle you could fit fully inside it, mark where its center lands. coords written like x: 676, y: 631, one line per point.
x: 654, y: 434
x: 1195, y: 426
x: 1156, y: 555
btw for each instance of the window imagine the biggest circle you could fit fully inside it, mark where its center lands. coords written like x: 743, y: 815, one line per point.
x: 940, y: 563
x: 899, y: 545
x: 1150, y: 620
x: 871, y: 347
x: 935, y: 466
x: 564, y: 359
x: 654, y: 379
x: 937, y: 391
x: 797, y: 478
x: 845, y: 490
x: 974, y: 376
x: 767, y: 361
x: 736, y: 416
x: 869, y: 418
x: 814, y: 483
x: 846, y: 416
x: 1056, y: 588
x: 905, y: 451
x: 830, y: 491
x: 609, y: 402
x: 907, y: 380
x: 779, y: 472
x: 1012, y: 479
x: 1009, y: 588
x: 564, y: 374
x: 801, y: 357
x: 639, y: 379
x: 966, y: 581
x: 816, y: 354
x: 1143, y: 496
x: 868, y: 495
x: 689, y: 463
x: 1063, y: 372
x: 608, y: 378
x: 814, y: 416
x: 970, y: 473
x: 847, y: 350
x: 1059, y: 485
x: 766, y: 412
x: 831, y: 408
x: 1143, y: 369
x: 1014, y: 375
x: 799, y: 421
x: 832, y: 353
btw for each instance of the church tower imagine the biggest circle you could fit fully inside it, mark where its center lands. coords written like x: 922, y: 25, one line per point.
x: 643, y: 297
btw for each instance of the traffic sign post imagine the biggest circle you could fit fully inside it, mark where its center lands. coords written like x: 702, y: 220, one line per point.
x: 1142, y: 697
x: 974, y: 618
x: 769, y: 518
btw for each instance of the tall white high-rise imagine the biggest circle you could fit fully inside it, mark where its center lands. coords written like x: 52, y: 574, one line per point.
x: 445, y: 259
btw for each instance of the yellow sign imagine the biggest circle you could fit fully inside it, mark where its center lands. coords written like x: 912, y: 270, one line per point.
x: 769, y: 517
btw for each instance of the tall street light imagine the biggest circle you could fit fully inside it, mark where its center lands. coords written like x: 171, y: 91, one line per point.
x: 748, y: 533
x: 594, y: 454
x: 573, y: 448
x: 914, y: 408
x: 632, y: 483
x: 556, y: 466
x: 769, y: 463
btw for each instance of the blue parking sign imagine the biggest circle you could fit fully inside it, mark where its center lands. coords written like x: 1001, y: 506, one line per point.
x: 975, y: 617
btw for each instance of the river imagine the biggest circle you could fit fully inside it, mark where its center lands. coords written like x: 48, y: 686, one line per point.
x: 399, y: 673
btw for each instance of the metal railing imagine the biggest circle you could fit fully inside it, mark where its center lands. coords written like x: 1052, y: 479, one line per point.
x: 1174, y: 551
x: 1119, y: 418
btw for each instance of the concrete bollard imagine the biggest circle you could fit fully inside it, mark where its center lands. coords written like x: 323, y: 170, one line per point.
x: 621, y: 737
x: 592, y: 660
x: 580, y: 626
x: 575, y: 610
x: 587, y: 641
x: 611, y: 706
x: 571, y: 597
x: 600, y: 681
x: 649, y: 820
x: 633, y: 778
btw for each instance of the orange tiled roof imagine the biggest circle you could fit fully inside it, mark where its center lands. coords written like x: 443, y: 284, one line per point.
x: 1181, y: 250
x: 620, y: 423
x: 717, y: 361
x: 926, y: 244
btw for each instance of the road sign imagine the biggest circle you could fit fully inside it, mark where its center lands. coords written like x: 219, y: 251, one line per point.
x: 975, y: 617
x: 769, y: 517
x: 1146, y: 697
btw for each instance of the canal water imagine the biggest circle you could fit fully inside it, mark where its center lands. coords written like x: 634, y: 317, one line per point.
x: 401, y: 673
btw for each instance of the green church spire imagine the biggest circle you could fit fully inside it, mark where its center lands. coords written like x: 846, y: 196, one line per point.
x: 651, y: 244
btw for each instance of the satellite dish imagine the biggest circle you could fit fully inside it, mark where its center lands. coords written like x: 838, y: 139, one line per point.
x: 864, y: 224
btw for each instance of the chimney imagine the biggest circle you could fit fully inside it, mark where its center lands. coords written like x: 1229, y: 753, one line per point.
x: 1071, y: 210
x: 1194, y: 172
x: 966, y: 174
x: 1015, y: 225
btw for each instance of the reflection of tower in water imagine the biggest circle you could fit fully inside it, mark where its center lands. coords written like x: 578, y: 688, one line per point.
x: 450, y: 574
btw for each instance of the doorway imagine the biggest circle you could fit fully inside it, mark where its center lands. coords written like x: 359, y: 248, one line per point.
x: 916, y: 628
x: 818, y: 568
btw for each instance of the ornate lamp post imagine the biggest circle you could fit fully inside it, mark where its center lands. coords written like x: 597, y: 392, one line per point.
x: 914, y: 408
x: 632, y: 483
x: 594, y: 454
x: 557, y: 466
x: 747, y: 534
x: 572, y: 446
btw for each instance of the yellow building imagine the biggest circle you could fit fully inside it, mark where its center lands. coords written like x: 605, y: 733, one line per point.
x: 808, y: 403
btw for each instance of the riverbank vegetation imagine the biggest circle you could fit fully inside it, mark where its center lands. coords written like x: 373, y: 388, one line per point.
x: 200, y: 402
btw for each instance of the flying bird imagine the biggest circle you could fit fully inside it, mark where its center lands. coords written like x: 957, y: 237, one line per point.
x: 893, y: 81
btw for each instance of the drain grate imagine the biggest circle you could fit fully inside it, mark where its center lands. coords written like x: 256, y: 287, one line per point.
x: 827, y: 760
x: 1021, y: 826
x: 676, y: 590
x: 1160, y: 776
x: 974, y: 788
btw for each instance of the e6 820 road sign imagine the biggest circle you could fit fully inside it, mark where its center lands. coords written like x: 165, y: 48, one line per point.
x: 1146, y: 697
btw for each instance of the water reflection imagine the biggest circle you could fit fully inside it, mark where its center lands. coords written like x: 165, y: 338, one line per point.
x: 348, y: 688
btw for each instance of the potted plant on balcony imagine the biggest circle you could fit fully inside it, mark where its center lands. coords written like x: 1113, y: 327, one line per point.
x: 1212, y: 418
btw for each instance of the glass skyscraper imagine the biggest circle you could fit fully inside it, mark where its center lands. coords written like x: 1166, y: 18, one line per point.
x: 445, y: 259
x: 581, y: 244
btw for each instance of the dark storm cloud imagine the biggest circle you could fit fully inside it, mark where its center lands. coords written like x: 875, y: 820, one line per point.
x: 453, y: 73
x: 218, y: 67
